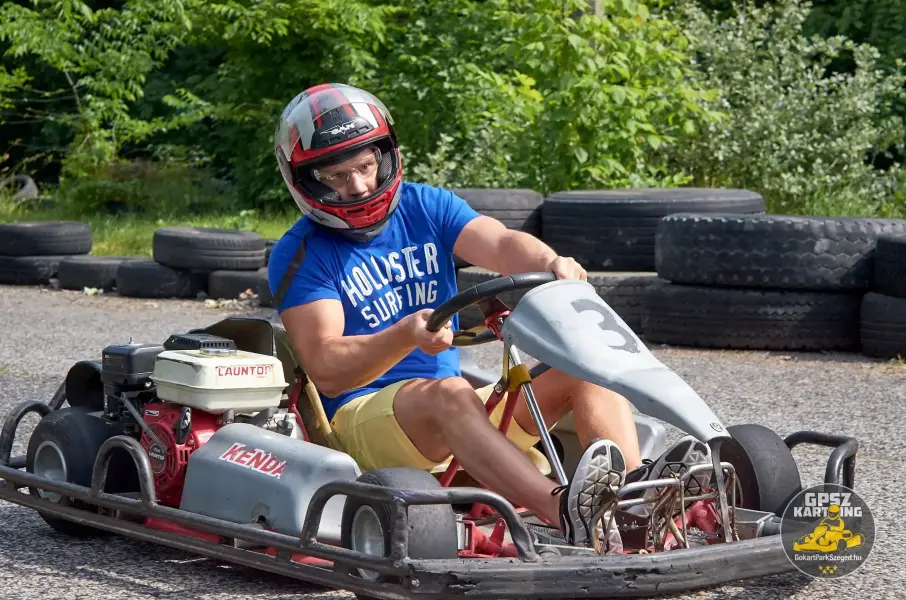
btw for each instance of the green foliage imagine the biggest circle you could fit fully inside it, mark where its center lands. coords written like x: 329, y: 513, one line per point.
x: 105, y: 57
x: 147, y: 188
x: 879, y: 23
x: 269, y: 51
x: 800, y: 134
x: 154, y: 99
x: 536, y: 94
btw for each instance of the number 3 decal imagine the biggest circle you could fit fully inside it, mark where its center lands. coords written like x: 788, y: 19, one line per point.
x: 608, y: 324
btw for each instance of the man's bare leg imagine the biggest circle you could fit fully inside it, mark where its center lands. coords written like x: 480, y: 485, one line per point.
x: 446, y: 416
x: 598, y: 412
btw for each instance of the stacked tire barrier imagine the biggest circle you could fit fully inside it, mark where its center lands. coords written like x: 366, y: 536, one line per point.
x: 609, y: 232
x: 189, y: 261
x: 766, y: 282
x: 690, y: 267
x: 883, y: 314
x: 614, y: 230
x: 31, y: 252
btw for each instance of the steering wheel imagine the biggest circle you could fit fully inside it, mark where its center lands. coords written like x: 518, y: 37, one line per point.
x: 485, y: 294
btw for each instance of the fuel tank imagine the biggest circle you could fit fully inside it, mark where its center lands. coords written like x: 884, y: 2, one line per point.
x: 245, y: 474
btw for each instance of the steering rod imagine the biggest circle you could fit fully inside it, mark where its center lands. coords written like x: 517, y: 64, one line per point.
x: 485, y: 292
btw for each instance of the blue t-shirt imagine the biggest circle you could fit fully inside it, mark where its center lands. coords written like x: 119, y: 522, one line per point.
x: 406, y: 268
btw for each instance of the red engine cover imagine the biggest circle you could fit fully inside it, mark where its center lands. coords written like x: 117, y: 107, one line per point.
x: 169, y: 467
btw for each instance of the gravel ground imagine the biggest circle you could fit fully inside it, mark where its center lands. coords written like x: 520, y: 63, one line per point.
x: 834, y: 393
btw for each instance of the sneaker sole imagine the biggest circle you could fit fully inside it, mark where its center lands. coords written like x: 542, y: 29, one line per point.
x: 674, y: 464
x: 598, y: 481
x: 687, y: 451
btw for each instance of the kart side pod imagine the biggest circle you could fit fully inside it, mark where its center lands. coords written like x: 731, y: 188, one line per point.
x: 246, y: 474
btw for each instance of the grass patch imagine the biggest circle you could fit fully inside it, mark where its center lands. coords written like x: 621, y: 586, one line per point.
x: 125, y: 204
x: 131, y: 235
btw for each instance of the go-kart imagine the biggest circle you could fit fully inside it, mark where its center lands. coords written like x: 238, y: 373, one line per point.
x: 828, y: 539
x: 201, y: 443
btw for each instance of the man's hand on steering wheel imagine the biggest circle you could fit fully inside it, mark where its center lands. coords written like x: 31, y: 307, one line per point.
x: 566, y: 267
x: 429, y: 342
x: 431, y: 329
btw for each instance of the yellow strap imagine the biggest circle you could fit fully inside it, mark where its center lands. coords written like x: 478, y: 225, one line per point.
x: 518, y: 375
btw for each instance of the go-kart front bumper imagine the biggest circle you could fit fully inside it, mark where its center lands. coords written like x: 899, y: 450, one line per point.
x: 531, y: 575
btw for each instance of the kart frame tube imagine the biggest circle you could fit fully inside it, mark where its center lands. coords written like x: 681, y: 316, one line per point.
x: 527, y: 576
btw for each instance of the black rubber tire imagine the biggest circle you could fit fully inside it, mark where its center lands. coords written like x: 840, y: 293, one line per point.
x: 614, y: 230
x: 623, y: 292
x: 729, y: 318
x: 883, y: 326
x: 45, y: 238
x: 268, y: 247
x: 767, y: 471
x: 770, y: 251
x: 24, y: 187
x: 78, y: 436
x: 518, y: 209
x: 265, y: 298
x: 79, y: 272
x: 890, y: 266
x: 146, y: 278
x: 231, y: 285
x: 209, y: 249
x: 28, y: 270
x: 432, y: 527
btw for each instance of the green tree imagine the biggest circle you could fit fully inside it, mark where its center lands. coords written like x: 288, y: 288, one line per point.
x: 540, y: 94
x: 798, y: 132
x: 104, y: 56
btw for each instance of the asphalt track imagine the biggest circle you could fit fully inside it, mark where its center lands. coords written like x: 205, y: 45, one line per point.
x: 42, y: 332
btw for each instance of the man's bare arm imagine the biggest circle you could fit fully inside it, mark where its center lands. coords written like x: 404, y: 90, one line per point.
x: 487, y: 243
x: 337, y: 363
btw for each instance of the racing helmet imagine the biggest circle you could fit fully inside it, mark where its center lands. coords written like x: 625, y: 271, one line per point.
x: 327, y: 124
x: 833, y: 511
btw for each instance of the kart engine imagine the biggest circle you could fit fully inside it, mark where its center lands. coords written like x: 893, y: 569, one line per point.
x: 175, y: 397
x: 179, y: 432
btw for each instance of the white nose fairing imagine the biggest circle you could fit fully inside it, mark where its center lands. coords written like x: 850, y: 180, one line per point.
x: 566, y: 325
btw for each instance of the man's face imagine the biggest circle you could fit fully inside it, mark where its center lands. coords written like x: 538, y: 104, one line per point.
x: 355, y: 177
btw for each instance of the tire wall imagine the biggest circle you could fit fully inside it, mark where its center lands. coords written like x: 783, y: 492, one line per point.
x: 708, y: 268
x: 186, y: 262
x: 705, y: 268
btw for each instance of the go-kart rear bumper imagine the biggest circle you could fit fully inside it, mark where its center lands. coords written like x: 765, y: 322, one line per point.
x: 529, y: 576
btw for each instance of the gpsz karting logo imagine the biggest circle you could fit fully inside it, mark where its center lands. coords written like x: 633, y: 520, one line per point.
x: 827, y: 531
x: 256, y: 460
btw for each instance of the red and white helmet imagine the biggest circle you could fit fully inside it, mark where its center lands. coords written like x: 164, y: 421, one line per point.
x: 328, y: 123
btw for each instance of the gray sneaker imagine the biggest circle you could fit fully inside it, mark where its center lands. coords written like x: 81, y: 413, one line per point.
x: 598, y: 477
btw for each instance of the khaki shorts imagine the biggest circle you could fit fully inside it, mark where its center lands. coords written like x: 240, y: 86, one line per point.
x: 367, y: 428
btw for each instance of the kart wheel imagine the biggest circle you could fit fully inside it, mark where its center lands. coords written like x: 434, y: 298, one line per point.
x: 63, y: 447
x: 367, y: 526
x: 767, y: 471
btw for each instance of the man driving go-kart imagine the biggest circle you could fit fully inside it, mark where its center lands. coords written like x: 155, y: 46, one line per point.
x: 355, y: 280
